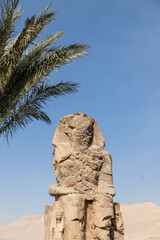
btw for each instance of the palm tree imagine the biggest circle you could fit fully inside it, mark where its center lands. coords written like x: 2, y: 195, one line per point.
x: 25, y: 66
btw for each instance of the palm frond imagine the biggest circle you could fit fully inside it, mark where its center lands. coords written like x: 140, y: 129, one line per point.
x: 54, y: 59
x: 8, y: 20
x: 29, y: 73
x: 26, y: 65
x: 12, y: 56
x: 44, y: 92
x: 32, y: 28
x: 21, y: 116
x: 30, y: 107
x: 39, y: 51
x: 34, y: 55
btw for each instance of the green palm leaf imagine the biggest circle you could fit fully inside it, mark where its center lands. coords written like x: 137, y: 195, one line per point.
x: 31, y: 105
x: 8, y: 20
x: 25, y: 67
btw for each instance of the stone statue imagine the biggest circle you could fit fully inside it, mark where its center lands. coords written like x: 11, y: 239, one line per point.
x: 83, y: 208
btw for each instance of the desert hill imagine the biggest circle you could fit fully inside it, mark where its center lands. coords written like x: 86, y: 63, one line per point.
x: 142, y: 222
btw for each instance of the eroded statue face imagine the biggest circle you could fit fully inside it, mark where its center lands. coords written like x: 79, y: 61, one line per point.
x: 81, y: 131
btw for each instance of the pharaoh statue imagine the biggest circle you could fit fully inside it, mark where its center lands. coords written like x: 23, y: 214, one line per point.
x: 83, y: 208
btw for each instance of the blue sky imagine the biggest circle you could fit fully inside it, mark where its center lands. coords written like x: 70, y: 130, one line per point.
x: 120, y: 82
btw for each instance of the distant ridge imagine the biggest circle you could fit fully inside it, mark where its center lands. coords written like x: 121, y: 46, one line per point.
x: 26, y: 228
x: 142, y: 222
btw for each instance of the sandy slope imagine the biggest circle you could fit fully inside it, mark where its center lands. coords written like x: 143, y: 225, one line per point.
x: 142, y: 222
x: 26, y: 228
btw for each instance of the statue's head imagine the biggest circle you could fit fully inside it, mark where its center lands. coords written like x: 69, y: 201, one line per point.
x: 78, y: 130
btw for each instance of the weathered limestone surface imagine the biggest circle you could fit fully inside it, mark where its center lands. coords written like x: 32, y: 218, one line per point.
x: 83, y: 208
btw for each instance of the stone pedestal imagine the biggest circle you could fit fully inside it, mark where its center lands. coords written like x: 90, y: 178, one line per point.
x: 83, y: 208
